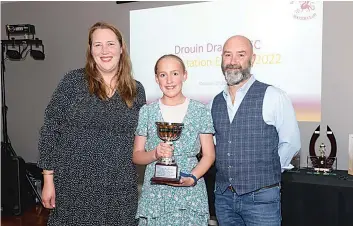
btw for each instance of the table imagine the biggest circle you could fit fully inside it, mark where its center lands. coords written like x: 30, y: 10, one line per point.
x: 321, y: 200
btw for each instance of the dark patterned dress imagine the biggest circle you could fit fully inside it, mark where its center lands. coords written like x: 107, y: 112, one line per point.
x: 88, y: 143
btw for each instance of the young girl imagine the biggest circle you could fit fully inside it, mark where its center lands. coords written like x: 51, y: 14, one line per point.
x: 184, y: 203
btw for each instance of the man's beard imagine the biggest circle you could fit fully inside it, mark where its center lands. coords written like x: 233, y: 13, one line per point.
x: 234, y: 77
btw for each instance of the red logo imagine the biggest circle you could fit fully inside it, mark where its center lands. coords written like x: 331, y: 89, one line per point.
x: 305, y: 10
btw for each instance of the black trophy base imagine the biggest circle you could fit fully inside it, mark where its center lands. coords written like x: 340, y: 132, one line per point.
x: 323, y: 163
x: 165, y: 174
x: 165, y: 181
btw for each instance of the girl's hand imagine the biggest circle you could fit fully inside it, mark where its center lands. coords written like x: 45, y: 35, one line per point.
x: 186, y: 180
x: 164, y: 150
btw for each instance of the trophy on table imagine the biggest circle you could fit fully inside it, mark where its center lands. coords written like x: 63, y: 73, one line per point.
x: 325, y: 163
x: 322, y: 163
x: 166, y: 169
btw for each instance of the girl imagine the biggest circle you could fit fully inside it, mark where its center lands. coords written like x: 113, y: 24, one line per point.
x: 184, y: 203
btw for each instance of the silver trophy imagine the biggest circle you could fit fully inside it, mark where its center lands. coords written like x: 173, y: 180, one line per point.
x: 166, y: 169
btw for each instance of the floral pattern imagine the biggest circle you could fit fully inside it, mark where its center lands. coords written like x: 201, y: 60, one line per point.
x: 168, y: 205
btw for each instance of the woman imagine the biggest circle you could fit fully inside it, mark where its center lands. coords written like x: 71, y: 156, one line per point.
x: 86, y: 141
x: 184, y: 203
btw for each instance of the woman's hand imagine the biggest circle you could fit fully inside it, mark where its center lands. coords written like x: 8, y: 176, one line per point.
x: 164, y: 150
x: 48, y: 195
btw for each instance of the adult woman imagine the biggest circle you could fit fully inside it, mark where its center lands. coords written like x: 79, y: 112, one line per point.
x: 87, y: 138
x: 184, y: 203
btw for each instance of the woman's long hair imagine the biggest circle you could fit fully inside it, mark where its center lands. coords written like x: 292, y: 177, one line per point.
x: 125, y: 83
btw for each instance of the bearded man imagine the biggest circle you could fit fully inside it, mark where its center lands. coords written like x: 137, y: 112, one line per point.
x: 256, y: 137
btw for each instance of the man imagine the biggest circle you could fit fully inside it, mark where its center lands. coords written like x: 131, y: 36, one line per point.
x: 257, y: 136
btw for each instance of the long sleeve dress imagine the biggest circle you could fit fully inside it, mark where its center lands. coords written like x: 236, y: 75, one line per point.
x: 162, y: 205
x: 88, y: 142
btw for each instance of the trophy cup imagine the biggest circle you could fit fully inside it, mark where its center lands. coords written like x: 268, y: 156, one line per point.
x: 166, y: 169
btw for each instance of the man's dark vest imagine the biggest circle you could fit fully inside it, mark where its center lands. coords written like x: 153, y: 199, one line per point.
x: 246, y: 149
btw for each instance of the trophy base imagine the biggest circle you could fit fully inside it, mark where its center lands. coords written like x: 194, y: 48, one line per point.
x: 162, y: 180
x: 165, y: 173
x: 324, y: 170
x: 321, y: 165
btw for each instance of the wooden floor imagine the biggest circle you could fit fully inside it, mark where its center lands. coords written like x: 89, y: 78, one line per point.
x: 35, y: 216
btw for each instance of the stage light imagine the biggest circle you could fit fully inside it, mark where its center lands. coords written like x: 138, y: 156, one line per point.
x: 37, y: 54
x: 17, y: 49
x: 13, y: 54
x: 34, y: 46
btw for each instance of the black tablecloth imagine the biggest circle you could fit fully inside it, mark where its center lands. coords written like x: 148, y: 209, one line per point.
x: 321, y: 200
